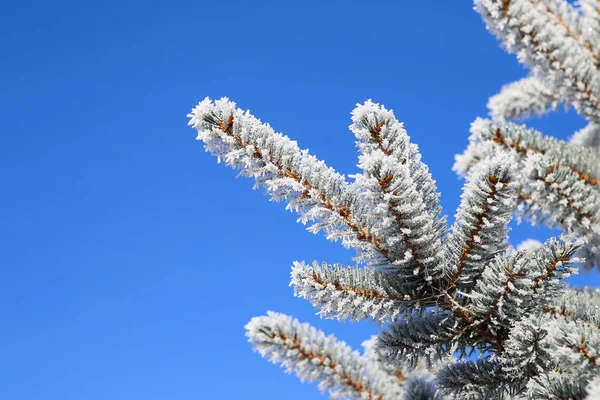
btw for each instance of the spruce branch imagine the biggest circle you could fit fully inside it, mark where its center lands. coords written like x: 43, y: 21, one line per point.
x: 578, y: 304
x: 419, y: 338
x: 418, y: 383
x: 528, y: 350
x: 574, y: 348
x: 513, y: 285
x: 353, y: 293
x: 551, y: 264
x: 566, y: 14
x: 555, y: 195
x: 556, y: 385
x: 552, y: 349
x: 567, y: 17
x: 446, y: 294
x: 590, y: 20
x: 522, y: 99
x: 521, y: 141
x: 560, y: 186
x: 313, y: 356
x: 588, y: 136
x: 578, y: 344
x: 481, y: 379
x: 497, y: 299
x: 553, y: 51
x: 402, y: 193
x: 480, y: 230
x: 558, y: 196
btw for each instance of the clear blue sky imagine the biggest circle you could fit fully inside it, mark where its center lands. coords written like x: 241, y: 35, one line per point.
x: 130, y: 259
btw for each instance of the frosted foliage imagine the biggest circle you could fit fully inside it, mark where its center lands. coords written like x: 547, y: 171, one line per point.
x: 560, y: 45
x: 523, y: 98
x: 560, y: 184
x: 556, y: 196
x: 578, y: 304
x: 501, y: 136
x: 556, y: 386
x: 402, y: 369
x: 593, y: 389
x: 556, y: 53
x: 445, y: 293
x: 466, y: 315
x: 418, y: 382
x: 514, y: 285
x: 400, y: 191
x: 590, y: 20
x: 351, y: 293
x: 477, y: 380
x: 313, y: 356
x: 567, y: 13
x: 589, y: 136
x: 557, y: 354
x: 418, y: 339
x: 520, y: 282
x: 480, y: 230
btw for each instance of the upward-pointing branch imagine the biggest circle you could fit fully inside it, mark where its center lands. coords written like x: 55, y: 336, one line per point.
x: 402, y: 193
x: 480, y: 230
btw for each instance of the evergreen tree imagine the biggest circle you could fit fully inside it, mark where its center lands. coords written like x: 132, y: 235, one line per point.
x: 465, y: 315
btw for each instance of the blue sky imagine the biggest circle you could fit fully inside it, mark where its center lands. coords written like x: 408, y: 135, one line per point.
x: 130, y: 259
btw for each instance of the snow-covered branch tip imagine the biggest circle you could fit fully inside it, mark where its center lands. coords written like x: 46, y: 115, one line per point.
x: 577, y: 304
x: 480, y: 231
x: 401, y: 192
x: 588, y: 136
x: 488, y: 138
x: 522, y: 99
x: 313, y: 356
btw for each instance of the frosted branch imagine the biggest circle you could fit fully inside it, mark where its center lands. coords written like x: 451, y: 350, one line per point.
x: 522, y: 99
x: 313, y: 356
x: 553, y: 51
x: 480, y: 230
x: 589, y: 136
x: 353, y: 293
x: 402, y: 193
